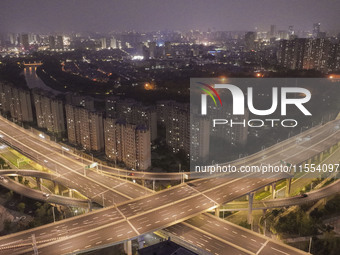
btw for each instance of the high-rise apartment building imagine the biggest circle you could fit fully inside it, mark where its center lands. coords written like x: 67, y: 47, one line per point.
x: 152, y: 49
x: 25, y: 41
x: 272, y: 32
x: 85, y: 128
x: 316, y: 30
x: 16, y: 102
x: 49, y: 112
x: 176, y: 118
x: 103, y: 43
x: 60, y: 42
x: 75, y: 99
x: 133, y: 112
x: 250, y: 40
x: 127, y: 143
x: 200, y: 139
x: 307, y: 53
x: 52, y: 42
x: 113, y: 43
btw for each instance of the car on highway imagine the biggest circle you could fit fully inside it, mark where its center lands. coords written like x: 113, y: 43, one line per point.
x: 303, y: 195
x: 46, y: 195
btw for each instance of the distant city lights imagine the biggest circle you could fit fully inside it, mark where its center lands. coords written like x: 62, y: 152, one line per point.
x: 137, y: 57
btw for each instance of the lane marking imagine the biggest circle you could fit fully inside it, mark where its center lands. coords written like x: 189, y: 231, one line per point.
x: 258, y: 252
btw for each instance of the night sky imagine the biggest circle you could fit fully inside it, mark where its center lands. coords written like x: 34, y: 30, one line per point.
x: 44, y: 16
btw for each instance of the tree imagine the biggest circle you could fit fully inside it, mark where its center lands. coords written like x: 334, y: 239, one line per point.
x: 7, y: 225
x: 9, y: 195
x: 21, y: 207
x: 245, y: 224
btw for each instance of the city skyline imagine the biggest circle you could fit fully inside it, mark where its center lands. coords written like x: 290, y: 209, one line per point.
x: 152, y: 15
x: 174, y: 127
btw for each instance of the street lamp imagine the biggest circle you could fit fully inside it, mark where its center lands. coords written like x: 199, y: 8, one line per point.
x: 64, y: 149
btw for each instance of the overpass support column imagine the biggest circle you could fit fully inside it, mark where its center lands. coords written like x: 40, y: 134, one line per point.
x: 321, y: 157
x: 331, y: 150
x: 143, y: 182
x: 250, y: 207
x: 217, y: 211
x: 140, y: 242
x: 288, y: 186
x: 89, y: 205
x: 128, y: 247
x: 272, y: 189
x: 56, y: 188
x: 38, y: 180
x: 247, y: 196
x: 153, y: 185
x: 70, y: 193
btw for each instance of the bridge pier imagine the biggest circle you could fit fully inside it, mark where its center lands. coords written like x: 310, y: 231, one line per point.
x: 217, y: 211
x: 321, y: 157
x: 153, y: 185
x: 140, y: 240
x: 272, y: 189
x: 247, y: 196
x: 250, y: 207
x: 143, y: 182
x: 288, y: 186
x: 38, y: 180
x: 324, y: 201
x: 70, y: 193
x: 89, y: 205
x: 56, y: 188
x: 128, y: 247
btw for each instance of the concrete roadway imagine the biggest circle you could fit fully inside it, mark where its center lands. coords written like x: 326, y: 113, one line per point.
x: 282, y: 150
x: 39, y: 195
x: 97, y: 187
x: 279, y: 147
x: 327, y: 191
x: 172, y: 176
x: 30, y: 173
x: 220, y: 237
x: 178, y: 203
x: 143, y: 218
x: 54, y: 199
x: 206, y: 232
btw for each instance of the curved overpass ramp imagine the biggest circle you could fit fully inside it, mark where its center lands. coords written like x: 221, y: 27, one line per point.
x: 41, y: 196
x: 315, y: 195
x: 32, y: 173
